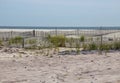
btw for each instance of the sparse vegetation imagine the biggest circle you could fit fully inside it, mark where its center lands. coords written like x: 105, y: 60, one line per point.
x: 1, y: 42
x: 116, y: 45
x: 17, y: 41
x: 31, y: 41
x: 70, y: 42
x: 77, y: 48
x: 82, y: 38
x: 31, y: 44
x: 57, y: 41
x: 85, y: 47
x: 92, y: 46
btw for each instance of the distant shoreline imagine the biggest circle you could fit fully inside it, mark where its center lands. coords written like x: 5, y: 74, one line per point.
x: 44, y: 30
x: 59, y: 27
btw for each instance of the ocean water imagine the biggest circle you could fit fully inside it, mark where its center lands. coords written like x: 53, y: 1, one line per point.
x: 37, y: 27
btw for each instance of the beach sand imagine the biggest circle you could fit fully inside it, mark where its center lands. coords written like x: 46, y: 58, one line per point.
x: 28, y: 67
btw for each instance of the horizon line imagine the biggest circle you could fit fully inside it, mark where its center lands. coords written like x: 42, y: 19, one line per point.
x: 53, y: 26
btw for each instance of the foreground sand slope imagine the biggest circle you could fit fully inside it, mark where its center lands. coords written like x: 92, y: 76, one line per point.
x: 60, y: 69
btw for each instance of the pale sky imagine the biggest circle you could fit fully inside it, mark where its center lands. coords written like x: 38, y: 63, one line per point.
x: 59, y: 12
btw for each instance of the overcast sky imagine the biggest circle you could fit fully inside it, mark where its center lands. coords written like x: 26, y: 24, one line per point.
x: 59, y: 12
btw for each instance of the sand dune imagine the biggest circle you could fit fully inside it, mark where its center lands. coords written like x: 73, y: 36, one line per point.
x: 35, y: 68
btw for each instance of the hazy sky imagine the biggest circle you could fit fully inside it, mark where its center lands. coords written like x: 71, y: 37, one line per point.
x: 59, y: 12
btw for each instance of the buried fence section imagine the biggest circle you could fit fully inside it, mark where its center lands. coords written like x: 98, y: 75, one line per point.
x: 99, y: 36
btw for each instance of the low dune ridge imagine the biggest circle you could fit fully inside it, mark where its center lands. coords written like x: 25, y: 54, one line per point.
x: 25, y: 66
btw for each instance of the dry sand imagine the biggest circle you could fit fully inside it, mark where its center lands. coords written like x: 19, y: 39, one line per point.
x: 29, y: 68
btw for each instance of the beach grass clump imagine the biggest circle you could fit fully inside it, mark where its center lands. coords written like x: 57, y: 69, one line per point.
x: 31, y: 44
x: 92, y: 46
x: 116, y: 46
x: 77, y: 48
x: 31, y: 41
x: 1, y: 42
x: 82, y: 38
x: 16, y: 40
x: 57, y: 41
x: 85, y: 46
x: 105, y: 48
x: 70, y: 41
x: 78, y: 43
